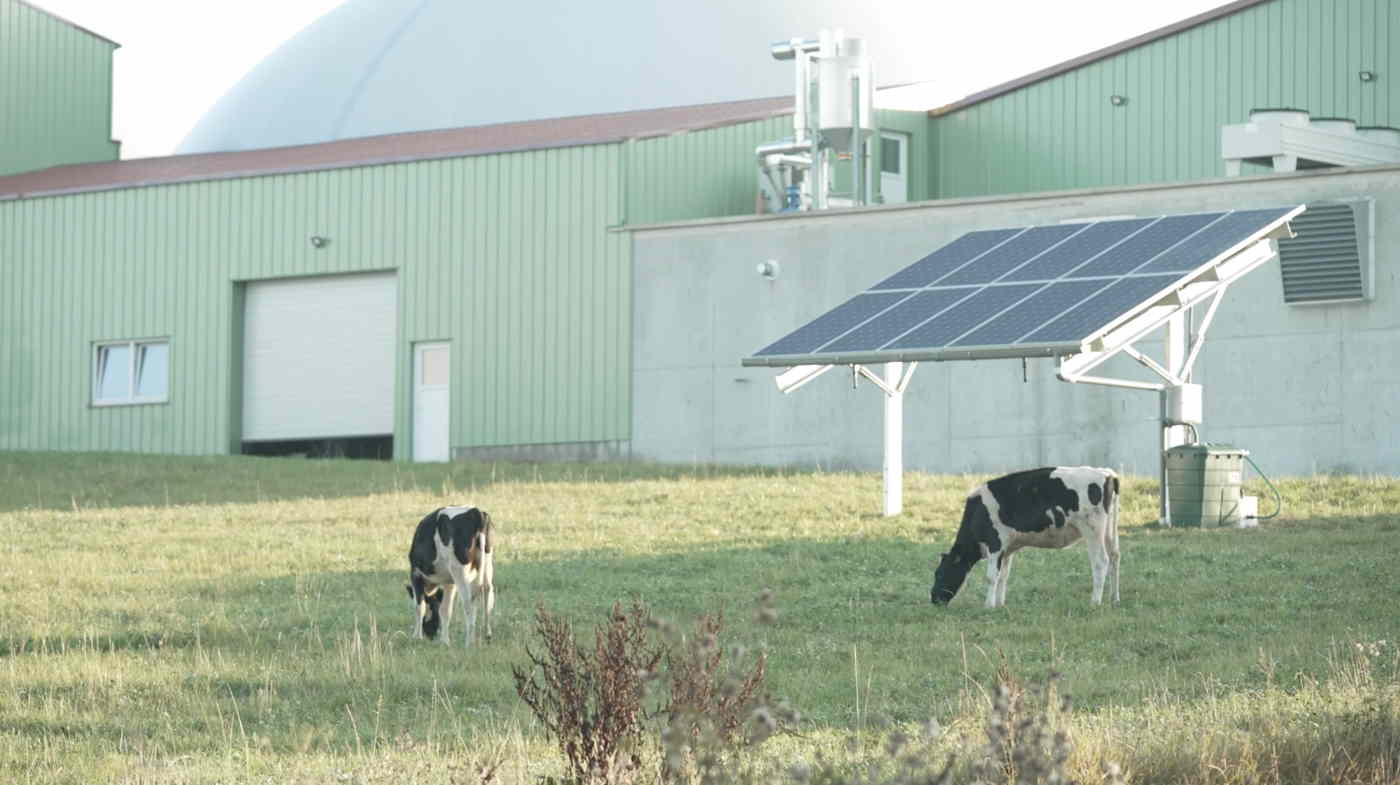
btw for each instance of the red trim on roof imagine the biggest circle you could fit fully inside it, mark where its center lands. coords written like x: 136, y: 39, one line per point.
x: 390, y: 148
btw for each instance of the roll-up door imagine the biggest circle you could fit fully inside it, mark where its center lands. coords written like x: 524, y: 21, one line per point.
x: 318, y: 357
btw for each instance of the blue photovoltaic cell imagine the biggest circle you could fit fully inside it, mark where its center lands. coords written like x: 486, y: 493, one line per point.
x: 1143, y: 246
x: 1102, y: 308
x: 945, y: 259
x: 1076, y: 250
x: 843, y: 317
x: 944, y: 328
x: 898, y: 320
x: 1214, y: 240
x: 1009, y: 255
x: 1040, y: 308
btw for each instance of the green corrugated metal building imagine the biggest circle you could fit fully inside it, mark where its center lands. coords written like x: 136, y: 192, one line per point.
x: 55, y: 91
x: 1060, y: 129
x: 162, y: 305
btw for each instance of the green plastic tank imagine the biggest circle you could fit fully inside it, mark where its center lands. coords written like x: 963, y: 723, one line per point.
x: 1204, y: 485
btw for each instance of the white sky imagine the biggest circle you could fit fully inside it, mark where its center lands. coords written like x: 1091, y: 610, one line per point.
x: 179, y: 56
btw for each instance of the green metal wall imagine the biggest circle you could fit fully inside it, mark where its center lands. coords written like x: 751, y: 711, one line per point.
x: 508, y: 256
x: 699, y: 174
x: 1063, y: 132
x: 55, y: 92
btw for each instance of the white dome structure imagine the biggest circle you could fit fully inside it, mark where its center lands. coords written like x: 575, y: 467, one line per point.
x: 386, y: 66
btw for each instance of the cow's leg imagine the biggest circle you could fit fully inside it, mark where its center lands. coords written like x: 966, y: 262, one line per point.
x: 993, y: 574
x: 1003, y: 578
x: 449, y: 593
x: 1114, y: 556
x: 488, y: 590
x: 1098, y: 561
x: 420, y: 607
x: 464, y: 594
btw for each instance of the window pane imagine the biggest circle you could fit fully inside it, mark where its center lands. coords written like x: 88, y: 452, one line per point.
x: 153, y: 370
x: 113, y: 372
x: 434, y: 367
x: 889, y: 155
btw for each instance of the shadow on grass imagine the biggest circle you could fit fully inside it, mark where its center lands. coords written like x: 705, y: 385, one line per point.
x: 134, y: 640
x: 66, y: 481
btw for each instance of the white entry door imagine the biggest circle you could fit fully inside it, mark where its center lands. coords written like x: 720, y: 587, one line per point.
x: 894, y: 167
x: 432, y: 374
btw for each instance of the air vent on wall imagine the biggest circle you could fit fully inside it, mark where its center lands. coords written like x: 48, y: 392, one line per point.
x: 1330, y: 258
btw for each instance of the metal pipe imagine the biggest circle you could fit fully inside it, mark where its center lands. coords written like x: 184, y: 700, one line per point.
x: 857, y: 163
x: 786, y: 50
x: 782, y: 146
x: 1107, y: 382
x: 799, y: 108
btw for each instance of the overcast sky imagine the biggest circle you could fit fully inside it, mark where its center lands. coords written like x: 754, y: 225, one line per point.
x: 179, y: 56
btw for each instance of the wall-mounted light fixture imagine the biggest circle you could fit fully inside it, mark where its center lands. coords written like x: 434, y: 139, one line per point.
x: 1117, y: 100
x: 768, y: 269
x: 1367, y: 76
x: 317, y: 241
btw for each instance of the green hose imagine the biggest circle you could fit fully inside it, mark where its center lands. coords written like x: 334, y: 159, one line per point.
x: 1278, y: 499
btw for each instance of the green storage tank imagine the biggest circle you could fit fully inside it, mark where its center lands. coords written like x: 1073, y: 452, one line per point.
x: 1203, y: 485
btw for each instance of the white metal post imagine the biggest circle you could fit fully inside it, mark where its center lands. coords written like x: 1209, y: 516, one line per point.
x: 1172, y: 435
x: 894, y: 440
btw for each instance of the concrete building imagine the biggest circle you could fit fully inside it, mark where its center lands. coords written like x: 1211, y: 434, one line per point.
x: 584, y: 287
x: 1304, y: 387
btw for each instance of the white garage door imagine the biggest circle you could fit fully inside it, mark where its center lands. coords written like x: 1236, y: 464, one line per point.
x: 318, y: 357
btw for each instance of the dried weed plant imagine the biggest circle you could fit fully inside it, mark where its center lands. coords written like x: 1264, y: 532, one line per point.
x: 716, y: 707
x: 592, y: 703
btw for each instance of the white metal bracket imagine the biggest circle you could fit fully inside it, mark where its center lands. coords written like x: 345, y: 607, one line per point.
x: 1120, y: 337
x: 898, y: 388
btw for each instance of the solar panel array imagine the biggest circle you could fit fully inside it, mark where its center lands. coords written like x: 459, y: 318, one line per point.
x: 1021, y: 292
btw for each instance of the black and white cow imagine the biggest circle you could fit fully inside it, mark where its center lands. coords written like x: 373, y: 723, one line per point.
x: 451, y: 555
x: 1043, y: 508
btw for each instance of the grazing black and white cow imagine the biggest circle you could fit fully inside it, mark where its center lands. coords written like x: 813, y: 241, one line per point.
x: 1043, y: 508
x: 451, y: 555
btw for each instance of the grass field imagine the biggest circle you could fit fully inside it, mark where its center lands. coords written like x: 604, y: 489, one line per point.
x: 171, y: 620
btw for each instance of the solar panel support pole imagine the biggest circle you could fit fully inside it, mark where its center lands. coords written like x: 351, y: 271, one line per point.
x: 894, y: 383
x: 1172, y: 435
x: 894, y: 441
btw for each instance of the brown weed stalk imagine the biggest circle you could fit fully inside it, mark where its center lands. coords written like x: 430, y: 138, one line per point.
x: 592, y: 703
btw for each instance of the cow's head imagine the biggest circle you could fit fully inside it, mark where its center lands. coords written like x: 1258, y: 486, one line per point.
x: 951, y: 572
x: 427, y: 601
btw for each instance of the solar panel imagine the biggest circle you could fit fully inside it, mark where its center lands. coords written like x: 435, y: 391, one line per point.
x: 1147, y: 243
x: 835, y: 322
x: 946, y: 259
x: 1010, y: 255
x: 1023, y: 292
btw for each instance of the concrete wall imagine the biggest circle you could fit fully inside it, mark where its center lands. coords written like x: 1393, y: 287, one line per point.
x: 1305, y: 389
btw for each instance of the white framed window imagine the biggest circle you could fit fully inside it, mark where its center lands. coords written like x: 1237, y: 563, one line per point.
x: 128, y: 372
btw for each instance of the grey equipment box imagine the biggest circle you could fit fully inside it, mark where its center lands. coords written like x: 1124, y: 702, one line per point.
x: 1203, y: 485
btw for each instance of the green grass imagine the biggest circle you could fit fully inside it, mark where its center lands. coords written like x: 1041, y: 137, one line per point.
x: 244, y: 620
